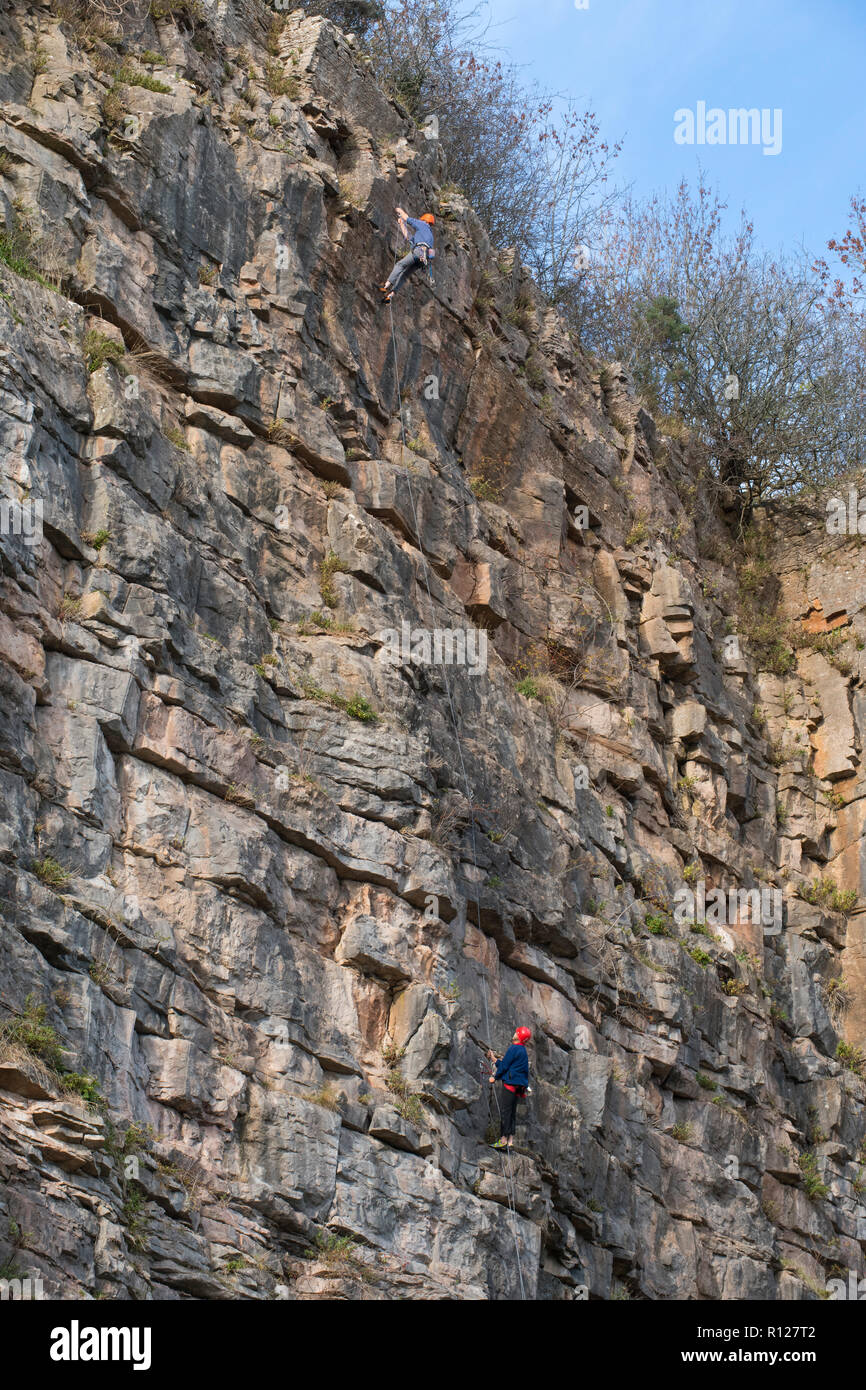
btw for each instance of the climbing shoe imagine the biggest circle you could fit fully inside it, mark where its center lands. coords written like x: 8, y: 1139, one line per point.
x: 500, y: 1144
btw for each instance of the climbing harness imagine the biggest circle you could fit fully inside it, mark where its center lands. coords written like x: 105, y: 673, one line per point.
x: 464, y: 777
x: 424, y: 254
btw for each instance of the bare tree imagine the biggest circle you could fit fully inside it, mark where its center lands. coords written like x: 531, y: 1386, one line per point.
x: 572, y: 194
x: 747, y: 349
x: 849, y: 283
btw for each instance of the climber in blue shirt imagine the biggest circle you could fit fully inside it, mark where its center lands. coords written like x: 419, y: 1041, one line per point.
x: 513, y: 1072
x: 419, y: 231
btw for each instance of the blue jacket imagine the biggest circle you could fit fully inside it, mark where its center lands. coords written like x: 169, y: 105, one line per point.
x: 421, y: 232
x: 514, y: 1067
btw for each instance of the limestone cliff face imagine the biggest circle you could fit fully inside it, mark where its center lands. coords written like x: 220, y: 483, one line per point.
x: 265, y: 893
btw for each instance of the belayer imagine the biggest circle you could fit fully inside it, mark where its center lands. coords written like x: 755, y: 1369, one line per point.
x: 421, y: 253
x: 513, y: 1072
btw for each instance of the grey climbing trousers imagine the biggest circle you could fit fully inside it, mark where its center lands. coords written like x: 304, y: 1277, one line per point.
x: 404, y: 268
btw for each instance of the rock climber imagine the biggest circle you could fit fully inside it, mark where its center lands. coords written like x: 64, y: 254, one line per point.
x: 418, y: 230
x: 513, y: 1072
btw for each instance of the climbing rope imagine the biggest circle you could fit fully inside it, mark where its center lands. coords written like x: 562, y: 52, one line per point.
x: 513, y: 1204
x: 510, y: 1188
x: 463, y: 774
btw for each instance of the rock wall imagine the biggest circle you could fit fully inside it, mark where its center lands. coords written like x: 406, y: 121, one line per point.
x: 271, y: 892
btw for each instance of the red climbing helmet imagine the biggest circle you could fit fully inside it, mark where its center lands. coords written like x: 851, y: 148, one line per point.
x: 427, y: 217
x: 523, y: 1035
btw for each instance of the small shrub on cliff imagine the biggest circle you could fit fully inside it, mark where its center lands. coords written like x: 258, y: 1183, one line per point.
x: 619, y: 1293
x: 19, y: 252
x: 80, y: 1083
x: 410, y: 1109
x: 484, y: 490
x: 38, y: 61
x: 279, y: 432
x: 128, y: 1140
x: 100, y: 972
x: 780, y: 751
x: 735, y: 988
x: 359, y: 707
x: 31, y: 1032
x: 356, y: 706
x: 535, y: 372
x: 237, y: 116
x: 333, y: 1249
x: 96, y: 539
x: 750, y: 959
x: 519, y: 312
x: 280, y: 83
x: 651, y: 884
x: 682, y: 1133
x: 812, y: 1182
x: 331, y: 565
x: 851, y: 1057
x: 638, y: 533
x: 189, y: 12
x: 99, y: 348
x: 176, y: 437
x: 487, y: 479
x: 831, y: 646
x: 823, y: 892
x: 133, y: 78
x: 113, y: 106
x: 408, y: 1104
x: 272, y: 43
x: 838, y: 997
x: 328, y: 1099
x: 819, y: 1290
x: 135, y: 1218
x: 49, y: 872
x: 239, y: 795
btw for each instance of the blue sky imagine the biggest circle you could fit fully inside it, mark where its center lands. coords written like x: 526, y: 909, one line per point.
x: 636, y: 62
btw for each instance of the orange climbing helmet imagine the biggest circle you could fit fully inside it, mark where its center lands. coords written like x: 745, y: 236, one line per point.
x: 523, y: 1035
x: 427, y: 217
